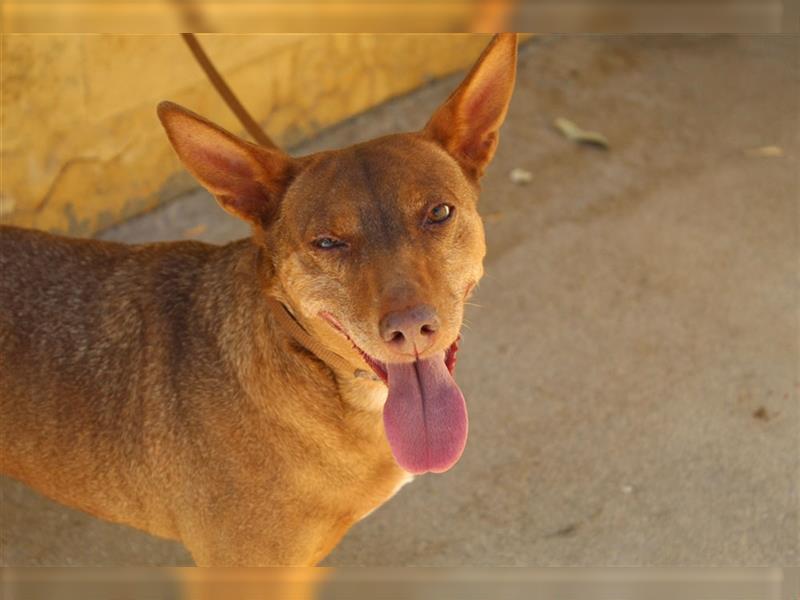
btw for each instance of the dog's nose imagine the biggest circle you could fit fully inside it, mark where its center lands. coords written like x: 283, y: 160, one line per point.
x: 410, y: 331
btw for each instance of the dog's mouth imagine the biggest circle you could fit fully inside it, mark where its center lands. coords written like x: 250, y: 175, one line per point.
x: 379, y: 367
x: 425, y: 416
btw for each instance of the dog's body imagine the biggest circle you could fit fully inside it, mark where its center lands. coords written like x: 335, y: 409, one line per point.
x: 154, y: 401
x: 155, y: 385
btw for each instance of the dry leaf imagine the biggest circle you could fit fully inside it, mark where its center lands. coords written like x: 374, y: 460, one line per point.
x: 575, y: 134
x: 766, y: 151
x: 520, y: 176
x: 195, y: 231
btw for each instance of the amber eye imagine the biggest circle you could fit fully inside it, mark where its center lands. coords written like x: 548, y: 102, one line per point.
x: 439, y: 213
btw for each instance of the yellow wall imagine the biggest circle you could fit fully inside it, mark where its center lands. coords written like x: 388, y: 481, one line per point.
x: 82, y: 147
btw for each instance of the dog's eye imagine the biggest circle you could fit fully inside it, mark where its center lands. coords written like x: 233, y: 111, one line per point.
x: 439, y: 213
x: 328, y: 243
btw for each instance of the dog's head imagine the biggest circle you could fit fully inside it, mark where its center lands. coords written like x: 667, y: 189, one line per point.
x: 376, y: 247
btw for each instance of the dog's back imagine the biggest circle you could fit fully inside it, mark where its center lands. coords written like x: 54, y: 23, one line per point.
x: 82, y: 332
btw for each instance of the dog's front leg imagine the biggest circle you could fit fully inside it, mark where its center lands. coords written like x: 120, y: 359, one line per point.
x: 263, y: 541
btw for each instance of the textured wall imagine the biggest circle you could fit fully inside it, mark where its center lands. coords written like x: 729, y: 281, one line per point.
x: 82, y: 147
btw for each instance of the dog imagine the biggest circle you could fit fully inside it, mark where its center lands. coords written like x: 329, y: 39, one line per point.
x: 254, y: 400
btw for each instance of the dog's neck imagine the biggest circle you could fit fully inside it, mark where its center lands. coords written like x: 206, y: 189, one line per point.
x: 272, y: 340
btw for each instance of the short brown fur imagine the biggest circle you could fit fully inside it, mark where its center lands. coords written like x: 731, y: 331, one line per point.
x: 152, y: 385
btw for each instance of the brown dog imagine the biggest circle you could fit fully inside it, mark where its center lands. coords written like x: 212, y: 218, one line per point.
x: 166, y: 386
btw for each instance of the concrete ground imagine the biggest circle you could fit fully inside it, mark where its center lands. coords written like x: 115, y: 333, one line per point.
x: 632, y: 371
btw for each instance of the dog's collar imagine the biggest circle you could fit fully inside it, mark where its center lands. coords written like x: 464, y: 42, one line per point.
x: 302, y: 337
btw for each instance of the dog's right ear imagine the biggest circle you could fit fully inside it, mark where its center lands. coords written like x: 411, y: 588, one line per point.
x: 247, y: 180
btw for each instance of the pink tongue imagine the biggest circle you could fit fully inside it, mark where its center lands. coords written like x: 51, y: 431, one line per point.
x: 425, y: 416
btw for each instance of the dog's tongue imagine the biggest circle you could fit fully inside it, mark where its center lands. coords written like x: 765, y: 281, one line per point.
x: 425, y: 416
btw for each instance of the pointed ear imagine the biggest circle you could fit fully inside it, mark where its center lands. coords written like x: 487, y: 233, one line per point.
x: 248, y: 180
x: 467, y: 124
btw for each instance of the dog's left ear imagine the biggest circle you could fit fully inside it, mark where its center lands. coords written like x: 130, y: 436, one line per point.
x: 467, y: 124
